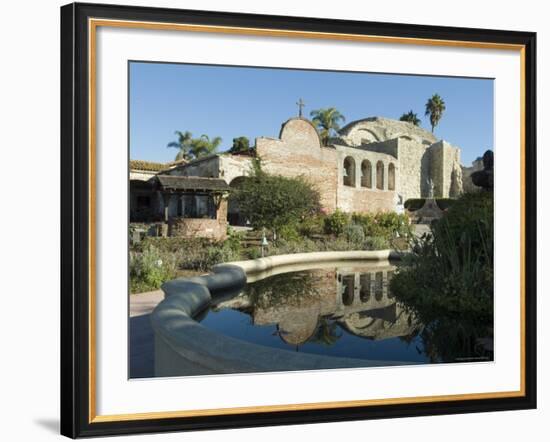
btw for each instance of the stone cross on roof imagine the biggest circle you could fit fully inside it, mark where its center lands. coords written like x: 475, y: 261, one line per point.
x: 300, y: 104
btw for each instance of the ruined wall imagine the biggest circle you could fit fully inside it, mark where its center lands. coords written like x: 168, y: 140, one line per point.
x: 234, y: 166
x: 376, y: 129
x: 446, y: 171
x: 414, y: 162
x: 198, y: 228
x: 358, y: 198
x: 207, y: 167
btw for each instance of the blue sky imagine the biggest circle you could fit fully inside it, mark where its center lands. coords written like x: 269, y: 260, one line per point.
x: 235, y: 101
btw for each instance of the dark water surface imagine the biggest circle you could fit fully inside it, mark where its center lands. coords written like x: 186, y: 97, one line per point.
x: 345, y: 312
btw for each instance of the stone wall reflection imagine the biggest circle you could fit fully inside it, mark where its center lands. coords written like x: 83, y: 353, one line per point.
x: 311, y: 305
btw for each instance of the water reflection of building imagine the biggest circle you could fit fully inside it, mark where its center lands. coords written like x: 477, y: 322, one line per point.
x: 357, y: 299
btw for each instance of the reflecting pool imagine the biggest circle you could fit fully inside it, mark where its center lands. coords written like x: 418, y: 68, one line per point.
x: 345, y: 311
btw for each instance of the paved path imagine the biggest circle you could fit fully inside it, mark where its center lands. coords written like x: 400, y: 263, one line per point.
x: 142, y: 342
x: 144, y: 303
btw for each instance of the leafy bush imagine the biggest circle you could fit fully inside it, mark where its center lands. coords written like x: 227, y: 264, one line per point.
x: 149, y: 269
x: 354, y: 233
x: 384, y: 224
x: 450, y: 272
x: 376, y: 243
x: 334, y: 223
x: 289, y: 232
x: 311, y: 225
x: 272, y: 201
x: 414, y: 203
x: 444, y: 203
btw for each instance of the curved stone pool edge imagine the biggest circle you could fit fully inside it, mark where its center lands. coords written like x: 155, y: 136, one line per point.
x: 183, y: 347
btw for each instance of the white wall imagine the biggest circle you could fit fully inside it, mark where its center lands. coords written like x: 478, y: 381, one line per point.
x: 29, y: 140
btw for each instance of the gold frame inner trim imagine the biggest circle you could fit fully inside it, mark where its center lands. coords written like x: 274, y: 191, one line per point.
x: 93, y: 24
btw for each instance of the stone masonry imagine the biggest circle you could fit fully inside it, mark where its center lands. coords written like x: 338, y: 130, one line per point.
x: 374, y: 164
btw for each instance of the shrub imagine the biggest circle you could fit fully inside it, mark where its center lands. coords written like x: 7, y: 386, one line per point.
x: 376, y: 243
x: 149, y: 269
x: 272, y: 201
x: 394, y: 223
x: 450, y: 272
x: 354, y: 233
x: 444, y: 203
x: 311, y: 225
x: 334, y: 223
x: 414, y: 203
x: 289, y: 232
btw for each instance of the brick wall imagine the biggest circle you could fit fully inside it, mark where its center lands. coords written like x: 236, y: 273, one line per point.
x: 298, y: 152
x: 198, y: 228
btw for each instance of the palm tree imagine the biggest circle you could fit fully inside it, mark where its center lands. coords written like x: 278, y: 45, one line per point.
x: 192, y: 148
x: 326, y: 121
x: 410, y: 117
x: 183, y: 145
x: 435, y: 108
x: 203, y: 146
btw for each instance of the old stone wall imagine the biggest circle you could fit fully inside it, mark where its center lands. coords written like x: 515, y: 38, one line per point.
x: 357, y: 197
x: 214, y: 229
x: 414, y: 164
x: 298, y: 152
x: 234, y: 166
x: 376, y: 129
x: 141, y: 175
x: 207, y: 167
x: 410, y: 153
x: 446, y: 171
x: 365, y: 200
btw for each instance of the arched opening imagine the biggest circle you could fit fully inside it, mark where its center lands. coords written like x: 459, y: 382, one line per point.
x: 391, y: 176
x: 380, y: 175
x: 349, y: 172
x: 234, y: 217
x: 366, y: 174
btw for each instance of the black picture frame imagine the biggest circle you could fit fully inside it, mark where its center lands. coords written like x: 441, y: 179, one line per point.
x: 76, y: 249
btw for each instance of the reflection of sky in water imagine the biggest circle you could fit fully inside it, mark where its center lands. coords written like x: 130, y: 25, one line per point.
x: 239, y: 325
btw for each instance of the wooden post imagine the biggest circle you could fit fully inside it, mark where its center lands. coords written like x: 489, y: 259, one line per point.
x: 166, y: 205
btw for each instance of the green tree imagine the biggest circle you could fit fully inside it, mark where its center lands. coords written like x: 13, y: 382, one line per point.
x: 435, y: 106
x: 272, y: 201
x: 204, y: 146
x: 192, y: 148
x: 182, y: 144
x: 410, y: 117
x: 326, y: 121
x: 240, y: 144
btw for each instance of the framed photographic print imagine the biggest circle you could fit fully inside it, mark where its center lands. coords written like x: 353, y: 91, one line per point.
x: 274, y: 220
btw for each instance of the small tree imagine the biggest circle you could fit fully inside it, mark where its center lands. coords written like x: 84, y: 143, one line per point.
x: 240, y: 144
x: 192, y: 148
x: 410, y: 117
x: 272, y: 201
x: 327, y: 121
